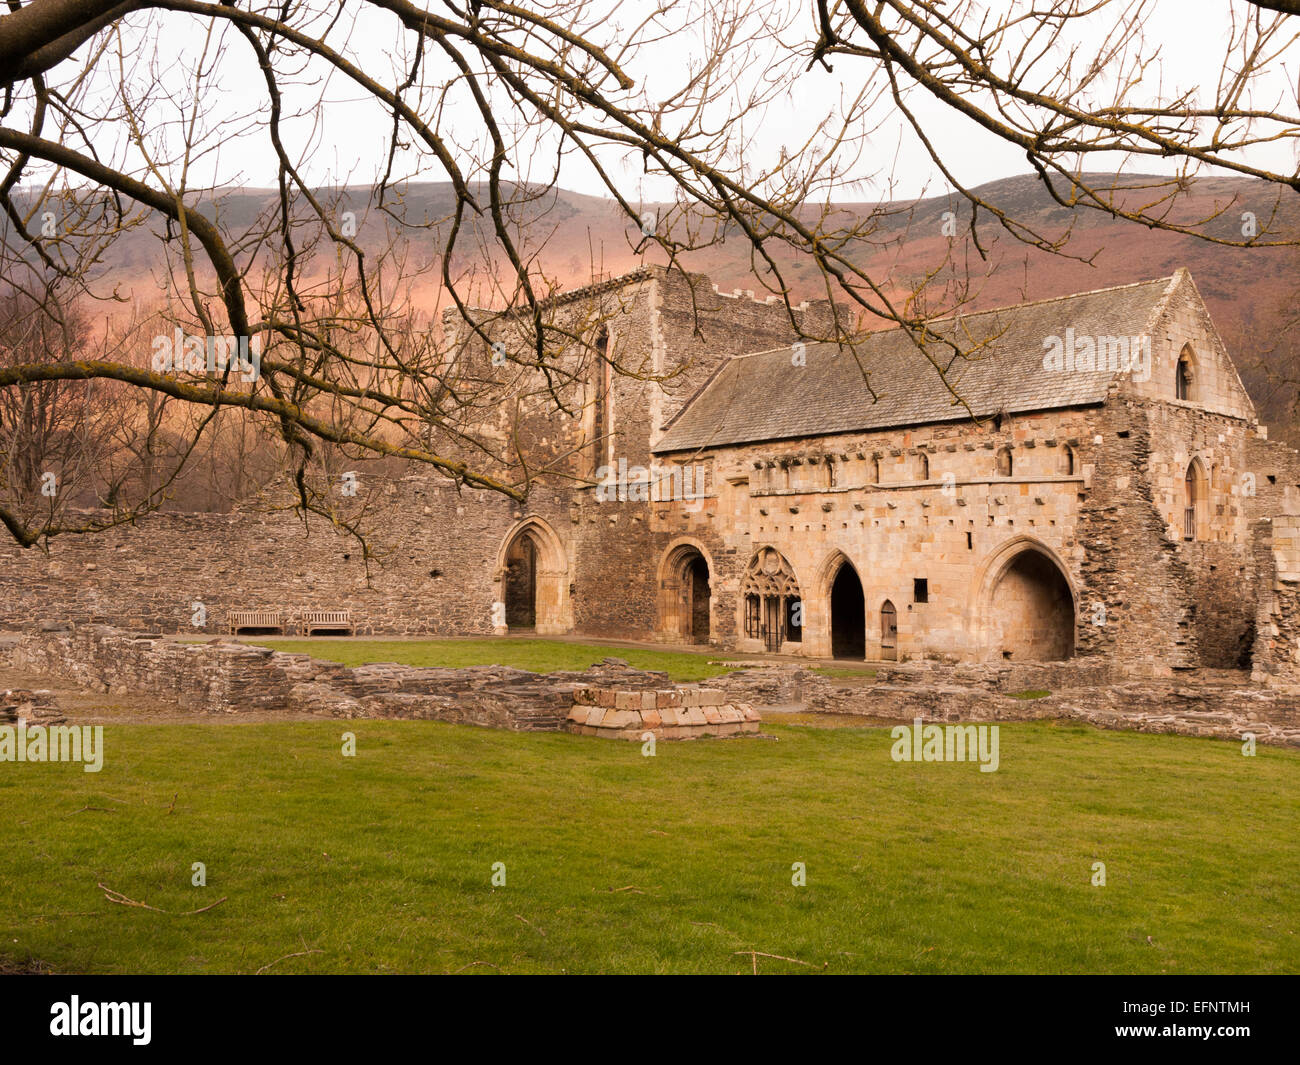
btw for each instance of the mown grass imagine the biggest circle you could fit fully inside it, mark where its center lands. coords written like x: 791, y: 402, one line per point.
x: 843, y: 672
x: 538, y: 656
x: 617, y: 862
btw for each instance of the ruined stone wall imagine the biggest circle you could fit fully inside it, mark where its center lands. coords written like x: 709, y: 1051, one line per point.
x: 699, y: 327
x: 555, y: 415
x: 1224, y: 589
x: 615, y: 553
x: 899, y: 505
x: 226, y: 677
x: 623, y: 357
x: 1096, y: 490
x: 1274, y: 477
x: 1216, y: 566
x: 1099, y: 491
x: 1215, y: 446
x: 1184, y: 325
x: 435, y: 571
x: 438, y: 567
x: 674, y: 714
x: 1276, y: 651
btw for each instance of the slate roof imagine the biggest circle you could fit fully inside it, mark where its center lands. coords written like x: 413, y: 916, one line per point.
x: 764, y: 396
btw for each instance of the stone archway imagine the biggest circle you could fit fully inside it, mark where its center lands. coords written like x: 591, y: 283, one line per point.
x: 532, y: 582
x: 520, y: 582
x: 773, y: 608
x: 1196, y: 502
x: 685, y: 595
x: 1027, y: 606
x: 848, y: 613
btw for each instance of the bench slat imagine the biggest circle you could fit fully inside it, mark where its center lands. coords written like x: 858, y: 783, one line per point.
x: 326, y: 619
x: 255, y: 619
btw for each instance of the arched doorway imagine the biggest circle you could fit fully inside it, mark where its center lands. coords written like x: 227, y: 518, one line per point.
x: 685, y: 595
x: 848, y: 615
x: 698, y: 576
x: 772, y: 603
x: 1030, y: 609
x: 532, y: 582
x: 521, y: 582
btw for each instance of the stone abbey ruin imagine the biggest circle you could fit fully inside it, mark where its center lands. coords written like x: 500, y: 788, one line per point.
x: 1090, y: 486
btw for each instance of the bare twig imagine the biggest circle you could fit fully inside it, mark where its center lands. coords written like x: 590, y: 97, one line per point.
x: 295, y: 954
x: 474, y: 963
x: 754, y: 955
x: 123, y: 900
x: 531, y: 925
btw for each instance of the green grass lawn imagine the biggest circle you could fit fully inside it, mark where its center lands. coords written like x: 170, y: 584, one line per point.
x: 845, y: 672
x: 617, y: 862
x: 539, y: 656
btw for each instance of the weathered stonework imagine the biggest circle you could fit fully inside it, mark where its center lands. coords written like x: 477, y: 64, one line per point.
x: 1215, y: 704
x: 611, y: 700
x: 608, y: 700
x: 669, y: 714
x: 1137, y: 529
x: 37, y: 706
x: 226, y: 677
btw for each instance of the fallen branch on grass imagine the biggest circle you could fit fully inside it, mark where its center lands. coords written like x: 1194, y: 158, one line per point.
x: 754, y: 955
x: 531, y: 925
x: 295, y: 954
x: 123, y: 900
x: 474, y: 963
x: 51, y: 916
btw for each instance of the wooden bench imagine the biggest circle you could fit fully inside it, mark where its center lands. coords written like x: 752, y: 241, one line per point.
x: 332, y: 620
x: 256, y: 619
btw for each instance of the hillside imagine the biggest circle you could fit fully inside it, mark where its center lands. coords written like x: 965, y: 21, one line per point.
x: 577, y: 238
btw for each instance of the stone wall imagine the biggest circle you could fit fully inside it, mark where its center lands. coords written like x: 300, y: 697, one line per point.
x: 1274, y: 506
x: 892, y: 523
x: 1088, y: 490
x: 436, y: 571
x: 1215, y: 704
x: 439, y: 551
x: 672, y: 714
x: 609, y: 699
x: 1184, y: 325
x: 1275, y: 658
x: 623, y: 357
x: 232, y: 678
x: 1097, y: 491
x: 227, y: 677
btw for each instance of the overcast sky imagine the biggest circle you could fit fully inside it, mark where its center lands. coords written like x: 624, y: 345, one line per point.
x: 345, y: 141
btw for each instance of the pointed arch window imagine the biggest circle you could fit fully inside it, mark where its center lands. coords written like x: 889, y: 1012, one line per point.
x: 1185, y: 376
x: 602, y: 399
x: 1196, y: 499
